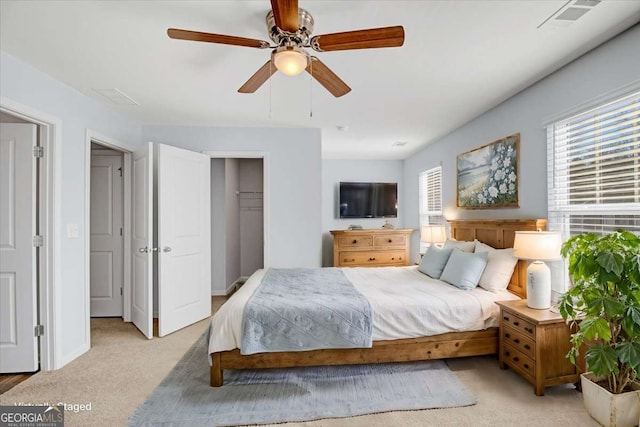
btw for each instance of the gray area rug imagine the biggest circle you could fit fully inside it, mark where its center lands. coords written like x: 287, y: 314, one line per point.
x: 184, y: 397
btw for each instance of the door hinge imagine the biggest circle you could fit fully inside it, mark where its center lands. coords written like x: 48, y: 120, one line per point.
x: 38, y: 330
x: 121, y: 292
x: 38, y: 241
x: 120, y: 169
x: 38, y: 151
x: 121, y: 231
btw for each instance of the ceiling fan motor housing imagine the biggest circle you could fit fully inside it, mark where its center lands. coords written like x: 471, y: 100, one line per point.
x: 299, y: 38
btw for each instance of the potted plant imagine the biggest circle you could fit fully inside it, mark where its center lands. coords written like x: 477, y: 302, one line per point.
x: 605, y: 301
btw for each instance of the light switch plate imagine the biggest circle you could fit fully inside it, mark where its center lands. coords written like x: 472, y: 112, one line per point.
x: 73, y: 231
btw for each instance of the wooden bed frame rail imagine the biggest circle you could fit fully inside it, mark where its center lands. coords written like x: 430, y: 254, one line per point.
x: 498, y: 233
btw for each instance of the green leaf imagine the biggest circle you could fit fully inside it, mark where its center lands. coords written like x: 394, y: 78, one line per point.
x: 602, y: 360
x: 611, y: 262
x: 612, y: 307
x: 633, y: 312
x: 629, y: 352
x: 594, y: 328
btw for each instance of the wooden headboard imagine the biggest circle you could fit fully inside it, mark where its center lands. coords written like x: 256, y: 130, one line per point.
x: 499, y: 233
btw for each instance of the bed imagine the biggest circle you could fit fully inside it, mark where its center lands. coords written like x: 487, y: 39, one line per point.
x: 392, y: 343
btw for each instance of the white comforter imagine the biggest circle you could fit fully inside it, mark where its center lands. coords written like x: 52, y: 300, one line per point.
x: 405, y: 304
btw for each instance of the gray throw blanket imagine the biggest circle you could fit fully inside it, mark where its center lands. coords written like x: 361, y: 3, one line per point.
x: 298, y: 309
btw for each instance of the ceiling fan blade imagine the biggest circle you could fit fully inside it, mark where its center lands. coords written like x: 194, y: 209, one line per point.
x: 196, y: 36
x: 360, y: 39
x: 285, y: 13
x: 327, y: 78
x: 258, y: 79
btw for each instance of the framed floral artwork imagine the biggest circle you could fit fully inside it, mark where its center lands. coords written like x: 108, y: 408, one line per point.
x: 488, y: 175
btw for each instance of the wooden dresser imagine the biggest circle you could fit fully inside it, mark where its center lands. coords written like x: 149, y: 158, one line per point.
x: 534, y: 343
x: 371, y: 248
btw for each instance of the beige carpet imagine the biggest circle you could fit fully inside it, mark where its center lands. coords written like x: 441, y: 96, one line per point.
x: 122, y: 369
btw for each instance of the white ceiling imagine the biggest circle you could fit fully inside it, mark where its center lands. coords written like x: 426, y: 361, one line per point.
x: 460, y: 58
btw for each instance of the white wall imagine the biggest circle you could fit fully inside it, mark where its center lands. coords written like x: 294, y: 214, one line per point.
x: 294, y: 180
x: 335, y: 171
x: 23, y: 84
x: 605, y: 69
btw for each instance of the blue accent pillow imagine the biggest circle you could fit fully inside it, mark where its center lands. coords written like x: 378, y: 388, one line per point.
x: 433, y: 261
x: 464, y: 269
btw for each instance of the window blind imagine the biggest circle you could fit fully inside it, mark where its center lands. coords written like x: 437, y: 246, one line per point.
x: 430, y: 197
x: 594, y: 169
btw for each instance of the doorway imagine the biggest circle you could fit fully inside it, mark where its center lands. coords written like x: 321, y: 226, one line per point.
x: 239, y: 218
x: 106, y: 259
x: 20, y: 244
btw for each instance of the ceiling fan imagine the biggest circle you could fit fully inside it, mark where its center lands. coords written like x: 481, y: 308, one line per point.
x: 290, y: 28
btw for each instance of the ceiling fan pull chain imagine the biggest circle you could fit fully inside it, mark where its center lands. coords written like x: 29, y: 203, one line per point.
x: 311, y: 90
x: 270, y: 73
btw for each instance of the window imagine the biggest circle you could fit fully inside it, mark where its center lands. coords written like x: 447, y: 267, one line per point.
x: 430, y: 188
x: 594, y: 169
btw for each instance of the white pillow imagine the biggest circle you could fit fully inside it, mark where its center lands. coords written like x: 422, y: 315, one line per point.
x: 500, y: 266
x: 434, y: 261
x: 463, y: 246
x: 464, y: 269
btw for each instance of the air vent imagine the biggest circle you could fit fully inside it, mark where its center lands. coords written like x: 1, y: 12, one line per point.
x: 569, y: 13
x: 116, y: 96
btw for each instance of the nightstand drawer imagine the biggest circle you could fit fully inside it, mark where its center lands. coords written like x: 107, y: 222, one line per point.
x: 518, y: 323
x: 519, y: 361
x: 519, y: 341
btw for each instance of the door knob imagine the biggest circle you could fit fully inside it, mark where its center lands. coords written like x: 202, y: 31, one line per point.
x: 166, y: 249
x: 143, y: 250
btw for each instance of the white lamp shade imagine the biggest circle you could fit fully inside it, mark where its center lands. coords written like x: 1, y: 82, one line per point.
x: 433, y: 234
x: 537, y: 245
x: 290, y: 61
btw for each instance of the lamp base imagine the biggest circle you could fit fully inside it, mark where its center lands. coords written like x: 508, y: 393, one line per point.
x: 538, y: 286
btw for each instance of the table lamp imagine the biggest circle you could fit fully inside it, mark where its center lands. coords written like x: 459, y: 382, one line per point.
x: 538, y: 246
x: 433, y: 234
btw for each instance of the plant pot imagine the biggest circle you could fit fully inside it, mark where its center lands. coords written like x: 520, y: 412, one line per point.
x: 610, y: 410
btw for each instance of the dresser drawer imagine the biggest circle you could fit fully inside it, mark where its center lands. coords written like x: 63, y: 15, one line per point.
x: 355, y: 241
x: 528, y: 329
x: 519, y: 341
x: 390, y: 240
x: 371, y: 258
x: 519, y: 361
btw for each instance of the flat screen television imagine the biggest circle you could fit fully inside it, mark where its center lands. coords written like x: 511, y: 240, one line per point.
x: 368, y: 200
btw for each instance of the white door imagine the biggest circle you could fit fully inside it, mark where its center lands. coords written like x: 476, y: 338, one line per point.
x: 142, y: 241
x: 184, y: 250
x: 107, y: 240
x: 18, y: 312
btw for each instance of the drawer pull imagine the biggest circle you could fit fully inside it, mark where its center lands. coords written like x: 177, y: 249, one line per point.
x: 517, y: 341
x: 351, y: 260
x: 516, y: 323
x: 354, y: 241
x: 516, y: 359
x: 393, y: 259
x: 507, y: 335
x: 527, y: 347
x: 390, y: 241
x: 530, y: 330
x: 372, y: 259
x: 506, y: 353
x: 526, y: 366
x: 506, y: 318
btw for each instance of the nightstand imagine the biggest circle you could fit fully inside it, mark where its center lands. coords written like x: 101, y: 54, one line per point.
x: 534, y: 343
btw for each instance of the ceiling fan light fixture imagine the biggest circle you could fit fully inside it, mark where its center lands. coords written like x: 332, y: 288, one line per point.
x: 290, y: 60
